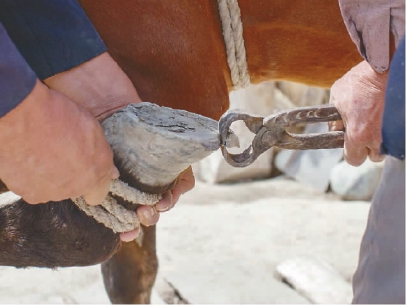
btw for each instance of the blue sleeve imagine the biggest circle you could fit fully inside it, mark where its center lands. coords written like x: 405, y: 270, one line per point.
x: 16, y: 77
x: 393, y: 121
x: 52, y: 35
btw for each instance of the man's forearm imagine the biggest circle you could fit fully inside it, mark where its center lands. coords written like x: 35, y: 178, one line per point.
x: 98, y: 85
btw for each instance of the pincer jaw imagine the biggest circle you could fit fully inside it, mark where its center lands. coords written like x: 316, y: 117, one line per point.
x: 230, y: 140
x: 227, y: 136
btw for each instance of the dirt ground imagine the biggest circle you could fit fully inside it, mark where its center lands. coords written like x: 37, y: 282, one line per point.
x: 221, y: 244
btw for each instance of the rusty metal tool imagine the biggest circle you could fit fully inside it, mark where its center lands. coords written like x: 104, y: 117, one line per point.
x: 270, y: 131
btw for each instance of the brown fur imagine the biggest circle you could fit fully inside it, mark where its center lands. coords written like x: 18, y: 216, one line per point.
x: 174, y: 54
x: 129, y: 277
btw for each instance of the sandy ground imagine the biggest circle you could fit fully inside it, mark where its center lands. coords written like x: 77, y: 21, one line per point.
x: 221, y: 244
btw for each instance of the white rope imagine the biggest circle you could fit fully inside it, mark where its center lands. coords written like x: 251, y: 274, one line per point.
x: 230, y: 16
x: 113, y: 215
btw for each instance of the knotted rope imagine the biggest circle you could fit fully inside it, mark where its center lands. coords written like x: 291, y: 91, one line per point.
x: 230, y: 16
x: 113, y: 215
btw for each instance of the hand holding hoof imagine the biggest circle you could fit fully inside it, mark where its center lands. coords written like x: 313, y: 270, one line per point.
x: 153, y: 149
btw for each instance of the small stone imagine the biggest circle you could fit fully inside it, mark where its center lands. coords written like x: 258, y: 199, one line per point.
x: 356, y: 183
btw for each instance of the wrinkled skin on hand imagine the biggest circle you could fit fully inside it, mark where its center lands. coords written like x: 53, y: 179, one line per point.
x: 359, y: 97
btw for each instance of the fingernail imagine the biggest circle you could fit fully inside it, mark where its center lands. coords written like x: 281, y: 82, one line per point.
x: 162, y: 206
x: 148, y: 213
x: 115, y: 173
x: 165, y: 203
x: 130, y: 236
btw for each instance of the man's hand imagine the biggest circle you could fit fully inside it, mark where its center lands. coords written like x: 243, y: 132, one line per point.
x: 149, y: 215
x: 53, y: 149
x: 359, y: 97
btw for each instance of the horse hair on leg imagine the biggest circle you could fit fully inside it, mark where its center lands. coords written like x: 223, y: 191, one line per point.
x: 55, y: 234
x: 130, y: 274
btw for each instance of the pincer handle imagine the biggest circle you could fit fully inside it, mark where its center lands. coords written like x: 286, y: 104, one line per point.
x: 325, y: 140
x: 304, y: 115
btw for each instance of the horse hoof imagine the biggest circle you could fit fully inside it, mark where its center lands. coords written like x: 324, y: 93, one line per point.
x: 152, y: 145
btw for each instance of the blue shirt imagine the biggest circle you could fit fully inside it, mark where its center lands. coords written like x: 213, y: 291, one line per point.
x: 42, y: 38
x: 393, y: 123
x: 16, y: 77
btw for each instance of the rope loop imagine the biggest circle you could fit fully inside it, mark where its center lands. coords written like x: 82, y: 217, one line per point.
x: 113, y: 215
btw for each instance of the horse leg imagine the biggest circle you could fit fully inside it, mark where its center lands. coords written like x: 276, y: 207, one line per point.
x: 55, y: 234
x: 130, y: 274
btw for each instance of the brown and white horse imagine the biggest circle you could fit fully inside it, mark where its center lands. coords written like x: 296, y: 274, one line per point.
x: 174, y: 53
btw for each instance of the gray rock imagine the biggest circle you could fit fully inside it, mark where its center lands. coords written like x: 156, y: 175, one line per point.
x: 356, y: 183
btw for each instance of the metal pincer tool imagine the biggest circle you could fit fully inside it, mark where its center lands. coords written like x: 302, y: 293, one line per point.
x: 270, y: 131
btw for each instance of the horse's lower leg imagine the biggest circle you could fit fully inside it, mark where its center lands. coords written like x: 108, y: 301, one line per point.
x: 55, y: 234
x: 130, y: 274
